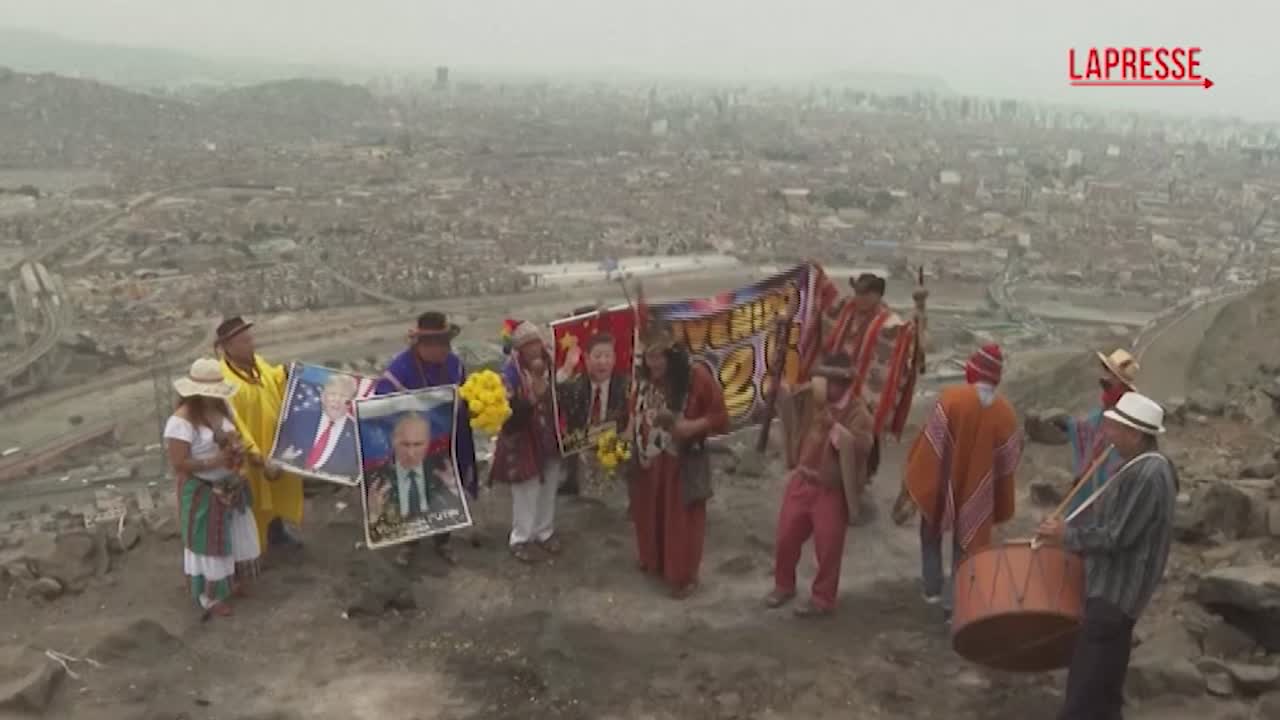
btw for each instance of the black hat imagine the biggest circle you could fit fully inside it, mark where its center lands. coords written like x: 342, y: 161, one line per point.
x: 230, y: 328
x: 868, y: 282
x: 434, y: 326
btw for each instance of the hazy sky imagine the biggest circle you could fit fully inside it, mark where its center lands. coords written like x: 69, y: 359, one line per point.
x: 999, y: 47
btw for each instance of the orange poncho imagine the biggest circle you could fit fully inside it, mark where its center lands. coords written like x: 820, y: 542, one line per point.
x: 960, y: 471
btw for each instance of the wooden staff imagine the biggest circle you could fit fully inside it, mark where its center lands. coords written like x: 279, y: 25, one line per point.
x: 771, y: 397
x: 1084, y: 480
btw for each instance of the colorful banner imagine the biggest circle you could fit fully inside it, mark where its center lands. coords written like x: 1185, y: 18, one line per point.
x: 736, y: 334
x: 316, y: 434
x: 410, y: 487
x: 593, y: 359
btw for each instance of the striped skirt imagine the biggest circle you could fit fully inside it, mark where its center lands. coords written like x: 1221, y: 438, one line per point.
x: 216, y: 538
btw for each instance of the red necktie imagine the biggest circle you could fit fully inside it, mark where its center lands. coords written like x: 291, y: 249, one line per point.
x: 596, y: 405
x: 317, y: 450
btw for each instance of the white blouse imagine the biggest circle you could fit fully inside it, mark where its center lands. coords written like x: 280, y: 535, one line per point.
x: 199, y: 438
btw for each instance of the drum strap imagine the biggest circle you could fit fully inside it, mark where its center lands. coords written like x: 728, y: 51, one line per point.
x: 1098, y: 493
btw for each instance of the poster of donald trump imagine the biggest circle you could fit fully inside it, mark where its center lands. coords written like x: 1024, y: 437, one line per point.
x: 316, y: 436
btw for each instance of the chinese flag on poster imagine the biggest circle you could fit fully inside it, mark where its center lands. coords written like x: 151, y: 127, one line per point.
x: 576, y: 331
x: 586, y: 407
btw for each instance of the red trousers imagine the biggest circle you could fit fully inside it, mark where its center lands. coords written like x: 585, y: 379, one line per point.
x: 810, y: 508
x: 669, y: 533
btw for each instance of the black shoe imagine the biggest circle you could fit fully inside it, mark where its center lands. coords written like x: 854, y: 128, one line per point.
x: 279, y: 536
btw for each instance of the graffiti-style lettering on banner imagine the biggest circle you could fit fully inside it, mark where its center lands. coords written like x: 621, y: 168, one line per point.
x: 736, y: 333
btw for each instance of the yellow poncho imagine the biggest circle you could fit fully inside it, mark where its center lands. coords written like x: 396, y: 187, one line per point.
x: 257, y: 410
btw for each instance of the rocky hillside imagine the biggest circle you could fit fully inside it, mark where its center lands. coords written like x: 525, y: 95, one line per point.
x: 49, y: 119
x: 298, y: 108
x: 1241, y: 346
x: 1071, y: 386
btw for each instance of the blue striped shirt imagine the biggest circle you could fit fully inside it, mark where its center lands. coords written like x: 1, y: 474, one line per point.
x: 1126, y: 542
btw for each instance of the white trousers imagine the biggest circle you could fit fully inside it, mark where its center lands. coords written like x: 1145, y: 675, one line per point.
x: 533, y: 505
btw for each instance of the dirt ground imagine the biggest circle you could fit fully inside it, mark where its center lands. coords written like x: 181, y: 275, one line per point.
x: 581, y: 636
x: 584, y: 635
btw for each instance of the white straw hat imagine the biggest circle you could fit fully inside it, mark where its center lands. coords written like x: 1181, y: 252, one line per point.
x: 204, y: 380
x: 1138, y: 412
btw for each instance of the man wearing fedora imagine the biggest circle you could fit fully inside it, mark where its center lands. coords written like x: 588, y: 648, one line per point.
x: 259, y: 397
x: 1125, y: 545
x: 1117, y: 374
x: 429, y: 361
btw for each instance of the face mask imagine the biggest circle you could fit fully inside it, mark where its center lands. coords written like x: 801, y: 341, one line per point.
x: 1112, y: 394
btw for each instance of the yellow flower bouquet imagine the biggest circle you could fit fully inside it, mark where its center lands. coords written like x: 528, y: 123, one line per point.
x: 487, y: 402
x: 611, y: 451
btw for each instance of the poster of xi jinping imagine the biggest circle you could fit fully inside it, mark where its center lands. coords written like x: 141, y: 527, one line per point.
x: 593, y: 375
x: 410, y: 487
x: 316, y: 434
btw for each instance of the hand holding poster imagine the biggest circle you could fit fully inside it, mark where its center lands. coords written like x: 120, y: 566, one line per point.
x: 316, y: 434
x: 736, y: 333
x: 410, y: 487
x: 593, y: 359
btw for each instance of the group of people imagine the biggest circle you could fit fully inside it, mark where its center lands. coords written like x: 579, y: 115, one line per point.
x: 235, y: 503
x: 960, y: 479
x: 959, y: 474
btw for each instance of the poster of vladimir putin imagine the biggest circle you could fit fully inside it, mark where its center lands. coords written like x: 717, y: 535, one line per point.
x: 410, y: 486
x: 316, y: 434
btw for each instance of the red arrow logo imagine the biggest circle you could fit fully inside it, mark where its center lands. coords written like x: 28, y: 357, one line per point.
x: 1208, y: 83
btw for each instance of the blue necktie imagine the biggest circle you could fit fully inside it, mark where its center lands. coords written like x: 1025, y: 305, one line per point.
x: 415, y: 501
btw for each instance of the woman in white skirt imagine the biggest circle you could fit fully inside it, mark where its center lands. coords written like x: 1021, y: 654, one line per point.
x: 220, y: 538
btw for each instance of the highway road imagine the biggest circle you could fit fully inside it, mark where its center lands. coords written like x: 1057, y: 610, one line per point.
x: 58, y: 318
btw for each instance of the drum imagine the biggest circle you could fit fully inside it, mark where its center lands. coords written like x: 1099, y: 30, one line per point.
x: 1018, y: 607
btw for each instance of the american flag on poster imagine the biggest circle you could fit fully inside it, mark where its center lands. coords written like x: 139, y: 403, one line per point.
x: 316, y: 434
x: 309, y: 396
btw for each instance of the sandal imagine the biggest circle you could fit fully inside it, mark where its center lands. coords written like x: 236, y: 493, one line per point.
x: 551, y: 545
x: 811, y: 610
x: 682, y: 593
x: 777, y: 599
x: 521, y: 553
x: 220, y: 609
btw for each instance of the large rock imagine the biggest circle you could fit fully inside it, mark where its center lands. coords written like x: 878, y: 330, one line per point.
x: 1175, y: 411
x: 28, y: 680
x: 71, y: 558
x: 1046, y: 427
x: 1202, y: 403
x: 1223, y: 640
x: 1163, y: 665
x: 1247, y: 597
x: 1216, y: 507
x: 1262, y: 468
x: 1246, y: 678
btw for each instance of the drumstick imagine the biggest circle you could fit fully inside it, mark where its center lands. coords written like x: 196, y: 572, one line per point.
x: 1084, y: 479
